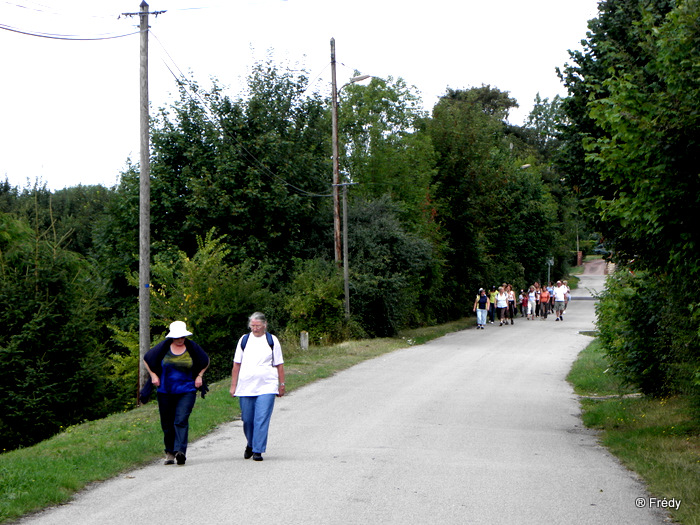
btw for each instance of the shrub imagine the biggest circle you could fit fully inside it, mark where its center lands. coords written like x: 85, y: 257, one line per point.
x: 315, y: 302
x: 649, y: 332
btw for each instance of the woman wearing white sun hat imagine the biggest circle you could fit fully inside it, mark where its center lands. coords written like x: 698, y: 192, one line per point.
x: 176, y: 368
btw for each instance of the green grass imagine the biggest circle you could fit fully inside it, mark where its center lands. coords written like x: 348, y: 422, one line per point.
x: 591, y: 375
x: 657, y: 438
x: 52, y: 471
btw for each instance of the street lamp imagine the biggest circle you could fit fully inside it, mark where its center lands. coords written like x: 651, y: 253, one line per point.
x: 336, y: 159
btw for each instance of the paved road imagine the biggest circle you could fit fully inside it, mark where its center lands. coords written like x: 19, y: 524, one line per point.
x: 478, y: 427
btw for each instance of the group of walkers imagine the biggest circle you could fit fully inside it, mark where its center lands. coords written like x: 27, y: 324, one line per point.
x: 538, y: 301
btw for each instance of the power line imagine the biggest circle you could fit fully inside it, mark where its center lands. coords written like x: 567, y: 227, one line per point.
x: 44, y: 9
x: 54, y: 36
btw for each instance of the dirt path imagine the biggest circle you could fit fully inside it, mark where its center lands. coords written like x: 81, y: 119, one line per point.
x: 596, y: 267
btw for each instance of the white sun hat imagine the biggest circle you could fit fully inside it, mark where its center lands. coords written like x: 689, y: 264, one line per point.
x: 178, y: 329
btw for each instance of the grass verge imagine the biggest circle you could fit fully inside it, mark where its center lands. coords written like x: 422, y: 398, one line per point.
x: 52, y: 471
x: 659, y: 439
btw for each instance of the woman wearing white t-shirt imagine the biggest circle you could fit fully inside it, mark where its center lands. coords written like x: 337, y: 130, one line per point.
x: 256, y: 379
x: 531, y: 303
x: 501, y: 305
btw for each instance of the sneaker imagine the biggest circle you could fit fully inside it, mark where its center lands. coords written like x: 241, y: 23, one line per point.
x: 248, y: 453
x: 169, y: 459
x: 180, y: 458
x: 257, y: 456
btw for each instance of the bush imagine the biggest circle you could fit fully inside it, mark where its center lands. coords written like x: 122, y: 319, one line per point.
x: 649, y: 332
x: 392, y: 271
x: 315, y: 302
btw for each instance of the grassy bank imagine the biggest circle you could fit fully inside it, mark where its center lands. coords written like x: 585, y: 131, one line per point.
x: 657, y: 438
x: 52, y: 471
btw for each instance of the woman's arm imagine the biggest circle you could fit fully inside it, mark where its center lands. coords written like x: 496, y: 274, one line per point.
x: 280, y: 373
x: 234, y: 378
x: 200, y: 377
x: 154, y: 378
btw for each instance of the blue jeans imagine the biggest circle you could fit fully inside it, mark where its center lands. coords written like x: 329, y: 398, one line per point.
x: 480, y: 317
x: 175, y: 410
x: 256, y: 412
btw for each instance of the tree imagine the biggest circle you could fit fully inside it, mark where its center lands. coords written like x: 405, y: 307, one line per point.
x: 546, y: 119
x: 472, y: 165
x: 649, y: 154
x: 391, y: 270
x: 51, y: 340
x: 387, y: 152
x: 613, y: 41
x: 636, y: 98
x: 252, y: 169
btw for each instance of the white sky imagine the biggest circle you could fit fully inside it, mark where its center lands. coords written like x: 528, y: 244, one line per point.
x: 69, y: 110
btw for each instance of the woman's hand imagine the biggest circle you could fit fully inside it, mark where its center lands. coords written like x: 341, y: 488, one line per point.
x: 198, y: 382
x: 233, y: 390
x: 155, y: 380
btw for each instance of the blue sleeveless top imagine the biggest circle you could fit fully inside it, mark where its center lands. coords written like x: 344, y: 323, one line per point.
x: 177, y: 374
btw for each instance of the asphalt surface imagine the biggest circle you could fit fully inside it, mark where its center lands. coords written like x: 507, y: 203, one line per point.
x: 479, y: 426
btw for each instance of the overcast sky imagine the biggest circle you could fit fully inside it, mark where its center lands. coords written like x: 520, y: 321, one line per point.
x: 70, y: 108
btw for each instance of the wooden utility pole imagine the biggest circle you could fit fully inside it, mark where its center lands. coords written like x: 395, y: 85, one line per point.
x: 144, y: 204
x: 336, y: 160
x: 346, y: 275
x: 144, y: 198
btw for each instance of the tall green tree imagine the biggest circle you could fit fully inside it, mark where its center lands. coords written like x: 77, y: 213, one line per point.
x: 51, y: 341
x: 257, y: 169
x: 636, y: 94
x: 546, y: 120
x: 648, y: 156
x: 472, y: 164
x: 387, y: 152
x: 492, y: 199
x: 253, y: 169
x: 613, y: 41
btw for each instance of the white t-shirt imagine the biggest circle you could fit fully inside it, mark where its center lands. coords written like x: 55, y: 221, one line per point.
x: 502, y: 300
x: 257, y: 376
x: 560, y: 293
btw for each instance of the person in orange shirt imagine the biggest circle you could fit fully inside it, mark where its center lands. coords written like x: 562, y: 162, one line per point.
x: 544, y: 303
